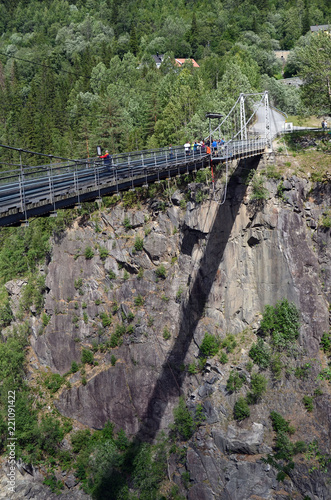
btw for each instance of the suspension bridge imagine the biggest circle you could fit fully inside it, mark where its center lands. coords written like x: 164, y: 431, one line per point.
x: 27, y: 191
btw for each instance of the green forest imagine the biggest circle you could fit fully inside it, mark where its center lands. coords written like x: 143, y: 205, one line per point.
x: 81, y: 74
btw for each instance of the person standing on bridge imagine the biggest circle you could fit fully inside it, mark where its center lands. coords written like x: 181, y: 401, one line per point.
x: 187, y: 148
x: 106, y: 158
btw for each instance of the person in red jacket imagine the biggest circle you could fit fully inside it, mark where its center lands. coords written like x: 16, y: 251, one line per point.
x: 106, y: 158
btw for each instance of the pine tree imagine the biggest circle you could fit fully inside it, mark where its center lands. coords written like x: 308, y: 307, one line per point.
x: 306, y: 19
x: 133, y: 41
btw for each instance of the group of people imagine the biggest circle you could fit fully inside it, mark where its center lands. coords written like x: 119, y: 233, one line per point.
x: 204, y: 147
x: 197, y: 147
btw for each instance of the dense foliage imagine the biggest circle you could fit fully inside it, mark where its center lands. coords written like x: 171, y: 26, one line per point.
x: 77, y: 74
x: 282, y: 323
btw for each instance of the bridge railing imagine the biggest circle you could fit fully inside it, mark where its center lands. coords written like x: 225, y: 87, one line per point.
x: 29, y: 185
x: 237, y: 148
x: 131, y: 161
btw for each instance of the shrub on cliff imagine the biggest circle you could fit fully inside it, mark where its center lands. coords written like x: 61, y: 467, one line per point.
x: 184, y: 424
x: 6, y: 314
x: 210, y: 345
x: 260, y: 354
x: 259, y: 192
x: 282, y: 323
x: 258, y: 386
x: 235, y: 381
x: 161, y: 272
x: 241, y: 409
x: 87, y: 356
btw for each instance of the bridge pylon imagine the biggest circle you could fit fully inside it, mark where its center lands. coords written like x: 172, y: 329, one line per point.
x: 243, y: 128
x: 267, y: 130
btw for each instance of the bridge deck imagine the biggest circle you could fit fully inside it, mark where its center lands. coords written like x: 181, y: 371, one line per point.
x: 33, y: 191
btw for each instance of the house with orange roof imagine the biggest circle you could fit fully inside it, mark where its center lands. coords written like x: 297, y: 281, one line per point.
x: 180, y: 62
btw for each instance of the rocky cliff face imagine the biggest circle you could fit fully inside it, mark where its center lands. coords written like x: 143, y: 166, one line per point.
x: 170, y: 274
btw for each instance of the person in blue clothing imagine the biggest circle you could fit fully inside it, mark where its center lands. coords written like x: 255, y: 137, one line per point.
x: 195, y: 147
x: 214, y: 145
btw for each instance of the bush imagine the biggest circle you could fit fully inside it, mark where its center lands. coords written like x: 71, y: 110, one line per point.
x: 6, y: 315
x: 103, y: 252
x: 113, y: 360
x: 326, y: 220
x: 112, y: 275
x: 116, y: 337
x: 276, y: 366
x: 223, y: 358
x: 106, y: 319
x: 139, y: 301
x: 209, y: 345
x: 55, y: 485
x: 127, y: 223
x: 202, y: 175
x: 166, y: 334
x: 130, y: 317
x: 259, y: 192
x: 235, y: 381
x: 50, y: 434
x: 326, y: 342
x: 282, y: 323
x: 258, y: 386
x: 308, y: 403
x: 140, y: 274
x: 178, y: 297
x: 279, y: 424
x: 192, y: 368
x: 161, y: 272
x: 78, y: 283
x: 87, y: 356
x: 53, y: 382
x: 121, y: 441
x: 229, y: 343
x: 80, y: 440
x: 88, y: 253
x: 184, y: 424
x: 241, y: 409
x: 302, y: 372
x: 45, y: 319
x: 138, y: 244
x: 74, y: 367
x: 283, y: 446
x: 260, y: 354
x: 130, y: 329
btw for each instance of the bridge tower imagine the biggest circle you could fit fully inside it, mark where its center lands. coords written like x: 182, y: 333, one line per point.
x: 243, y: 128
x: 267, y: 130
